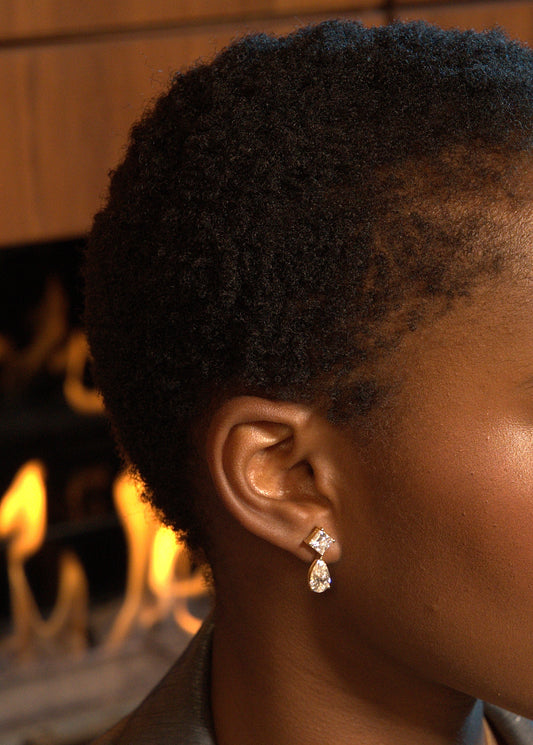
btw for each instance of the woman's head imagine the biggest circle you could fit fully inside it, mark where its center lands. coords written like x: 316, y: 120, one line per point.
x: 286, y: 216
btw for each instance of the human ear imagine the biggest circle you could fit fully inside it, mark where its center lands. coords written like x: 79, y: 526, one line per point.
x: 273, y: 471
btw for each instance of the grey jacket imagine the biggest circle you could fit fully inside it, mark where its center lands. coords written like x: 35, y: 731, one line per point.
x: 177, y: 711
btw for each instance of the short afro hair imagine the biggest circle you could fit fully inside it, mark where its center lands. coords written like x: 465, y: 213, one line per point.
x: 283, y: 214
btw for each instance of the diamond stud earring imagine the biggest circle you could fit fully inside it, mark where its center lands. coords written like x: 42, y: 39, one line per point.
x: 319, y: 578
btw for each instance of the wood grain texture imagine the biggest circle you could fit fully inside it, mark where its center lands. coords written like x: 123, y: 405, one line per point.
x: 66, y: 112
x: 83, y: 72
x: 515, y: 17
x: 37, y: 18
x: 431, y: 2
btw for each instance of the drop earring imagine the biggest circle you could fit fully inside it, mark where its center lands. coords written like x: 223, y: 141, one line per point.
x: 318, y: 577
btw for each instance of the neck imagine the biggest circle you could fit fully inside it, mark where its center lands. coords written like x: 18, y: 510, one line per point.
x: 278, y: 681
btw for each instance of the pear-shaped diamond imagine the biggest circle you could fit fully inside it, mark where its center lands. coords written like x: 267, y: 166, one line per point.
x: 319, y: 576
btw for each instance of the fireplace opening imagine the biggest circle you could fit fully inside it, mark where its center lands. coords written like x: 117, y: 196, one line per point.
x: 96, y: 597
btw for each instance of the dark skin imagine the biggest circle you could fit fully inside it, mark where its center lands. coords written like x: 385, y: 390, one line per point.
x: 430, y: 608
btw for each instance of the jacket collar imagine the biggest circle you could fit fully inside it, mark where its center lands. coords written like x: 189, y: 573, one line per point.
x: 178, y: 709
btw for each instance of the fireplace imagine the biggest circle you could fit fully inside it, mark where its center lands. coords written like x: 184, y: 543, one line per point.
x: 96, y: 597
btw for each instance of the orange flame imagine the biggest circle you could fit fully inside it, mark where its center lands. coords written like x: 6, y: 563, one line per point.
x: 160, y: 578
x: 158, y: 563
x: 139, y: 527
x: 23, y: 514
x: 172, y: 581
x: 81, y: 399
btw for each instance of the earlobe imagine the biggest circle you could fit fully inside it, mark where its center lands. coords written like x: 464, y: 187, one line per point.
x: 267, y: 467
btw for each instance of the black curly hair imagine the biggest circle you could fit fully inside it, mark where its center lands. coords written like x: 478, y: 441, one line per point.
x: 284, y: 214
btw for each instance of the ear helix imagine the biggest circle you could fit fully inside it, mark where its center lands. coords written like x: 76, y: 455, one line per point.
x: 319, y: 578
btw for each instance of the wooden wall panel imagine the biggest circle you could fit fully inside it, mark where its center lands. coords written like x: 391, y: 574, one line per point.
x: 431, y: 2
x: 66, y: 112
x: 75, y: 75
x: 515, y: 17
x: 37, y: 18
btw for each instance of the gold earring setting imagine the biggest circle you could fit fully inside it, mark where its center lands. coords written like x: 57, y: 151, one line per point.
x: 318, y: 577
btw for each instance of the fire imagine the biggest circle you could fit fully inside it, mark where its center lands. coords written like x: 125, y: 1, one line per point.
x: 23, y: 512
x: 160, y: 579
x: 172, y: 582
x: 139, y: 527
x: 161, y: 570
x: 23, y: 515
x: 81, y: 399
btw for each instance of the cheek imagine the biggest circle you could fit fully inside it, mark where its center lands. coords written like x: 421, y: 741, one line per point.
x: 465, y: 503
x: 460, y: 499
x: 445, y: 545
